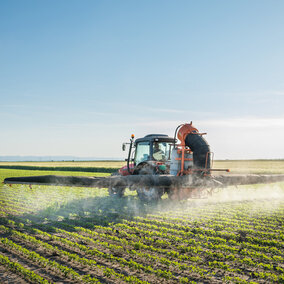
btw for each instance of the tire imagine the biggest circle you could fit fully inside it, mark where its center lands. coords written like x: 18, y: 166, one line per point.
x: 144, y: 168
x: 150, y: 195
x: 116, y: 192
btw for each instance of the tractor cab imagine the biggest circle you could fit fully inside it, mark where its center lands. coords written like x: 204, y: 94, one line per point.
x: 153, y: 147
x: 151, y: 152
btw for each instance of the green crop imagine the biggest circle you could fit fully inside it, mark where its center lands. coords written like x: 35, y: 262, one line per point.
x: 81, y: 235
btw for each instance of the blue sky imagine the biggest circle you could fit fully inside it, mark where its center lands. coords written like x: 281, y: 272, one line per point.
x: 78, y: 77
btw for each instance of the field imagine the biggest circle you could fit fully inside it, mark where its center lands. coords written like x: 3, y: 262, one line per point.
x: 80, y: 235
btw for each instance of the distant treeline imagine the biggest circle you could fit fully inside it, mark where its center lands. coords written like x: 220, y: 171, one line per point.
x: 67, y: 169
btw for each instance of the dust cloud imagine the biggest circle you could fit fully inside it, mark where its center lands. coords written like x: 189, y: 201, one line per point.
x: 249, y: 193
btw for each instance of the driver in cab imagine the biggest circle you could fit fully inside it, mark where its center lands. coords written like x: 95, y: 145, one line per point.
x: 158, y: 154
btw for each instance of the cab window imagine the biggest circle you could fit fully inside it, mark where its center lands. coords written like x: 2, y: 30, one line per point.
x: 161, y: 151
x: 142, y: 152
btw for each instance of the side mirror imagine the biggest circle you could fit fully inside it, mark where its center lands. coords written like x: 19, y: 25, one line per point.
x: 123, y: 147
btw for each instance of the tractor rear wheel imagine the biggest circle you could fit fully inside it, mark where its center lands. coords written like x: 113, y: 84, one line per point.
x: 116, y: 192
x: 150, y: 194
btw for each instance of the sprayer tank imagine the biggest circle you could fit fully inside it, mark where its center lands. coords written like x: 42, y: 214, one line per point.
x: 175, y: 165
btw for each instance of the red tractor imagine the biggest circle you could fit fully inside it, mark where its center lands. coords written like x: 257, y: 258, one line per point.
x: 159, y: 154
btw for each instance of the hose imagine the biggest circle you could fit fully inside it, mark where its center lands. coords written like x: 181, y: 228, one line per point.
x: 200, y: 149
x: 176, y: 134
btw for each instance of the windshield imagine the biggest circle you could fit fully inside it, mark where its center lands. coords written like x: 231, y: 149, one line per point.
x: 161, y: 151
x: 142, y: 152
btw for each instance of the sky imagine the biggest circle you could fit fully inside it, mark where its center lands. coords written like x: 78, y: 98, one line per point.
x: 79, y: 77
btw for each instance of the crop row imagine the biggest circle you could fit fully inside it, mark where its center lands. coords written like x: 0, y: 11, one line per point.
x: 230, y: 233
x: 44, y: 262
x: 22, y: 271
x: 138, y: 247
x: 217, y: 224
x: 53, y: 249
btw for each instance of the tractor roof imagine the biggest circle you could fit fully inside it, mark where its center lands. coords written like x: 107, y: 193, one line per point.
x: 155, y: 137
